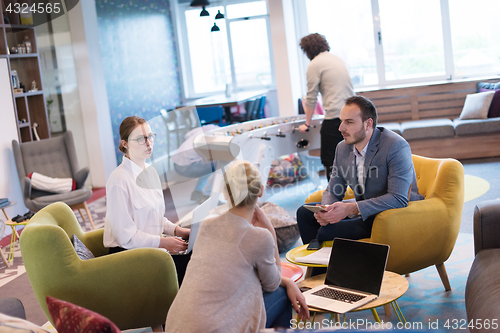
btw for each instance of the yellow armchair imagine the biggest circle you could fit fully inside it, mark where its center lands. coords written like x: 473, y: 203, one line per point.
x: 133, y: 288
x: 424, y: 233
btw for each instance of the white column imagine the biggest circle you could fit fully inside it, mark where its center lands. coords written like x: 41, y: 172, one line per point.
x: 285, y: 53
x: 9, y: 184
x: 92, y: 89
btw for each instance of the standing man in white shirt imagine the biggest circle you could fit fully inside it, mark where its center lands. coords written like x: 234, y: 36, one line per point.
x: 326, y: 74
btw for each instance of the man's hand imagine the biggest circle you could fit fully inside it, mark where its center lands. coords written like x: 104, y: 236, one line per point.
x: 336, y: 212
x: 303, y: 128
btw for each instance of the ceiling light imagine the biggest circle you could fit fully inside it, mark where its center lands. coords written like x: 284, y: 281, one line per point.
x: 219, y: 16
x: 204, y: 12
x: 215, y: 28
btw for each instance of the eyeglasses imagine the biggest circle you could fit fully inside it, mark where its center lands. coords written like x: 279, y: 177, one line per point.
x: 142, y: 140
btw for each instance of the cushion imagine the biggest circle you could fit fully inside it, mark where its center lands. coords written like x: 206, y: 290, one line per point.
x: 476, y: 126
x: 70, y: 318
x: 494, y: 110
x: 476, y: 106
x: 488, y: 85
x: 81, y: 250
x: 17, y: 325
x: 70, y: 198
x: 426, y: 129
x: 49, y: 184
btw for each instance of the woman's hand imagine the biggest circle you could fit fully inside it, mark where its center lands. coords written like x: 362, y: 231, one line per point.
x: 173, y: 244
x: 260, y: 219
x: 295, y: 296
x: 182, y: 232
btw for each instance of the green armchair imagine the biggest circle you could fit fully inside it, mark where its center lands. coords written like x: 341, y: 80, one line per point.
x: 133, y: 288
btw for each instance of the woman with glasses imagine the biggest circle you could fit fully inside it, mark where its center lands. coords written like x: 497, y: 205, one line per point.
x: 135, y: 204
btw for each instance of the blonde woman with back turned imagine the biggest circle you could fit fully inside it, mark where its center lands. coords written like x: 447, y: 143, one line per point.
x: 235, y: 259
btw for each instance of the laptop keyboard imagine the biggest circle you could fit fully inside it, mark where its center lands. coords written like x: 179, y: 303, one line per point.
x: 338, y: 295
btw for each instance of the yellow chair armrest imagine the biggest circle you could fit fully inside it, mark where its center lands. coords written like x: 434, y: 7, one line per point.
x: 315, y: 197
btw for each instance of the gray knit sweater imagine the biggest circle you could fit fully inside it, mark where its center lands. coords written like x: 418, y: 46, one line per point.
x: 232, y: 262
x: 328, y: 75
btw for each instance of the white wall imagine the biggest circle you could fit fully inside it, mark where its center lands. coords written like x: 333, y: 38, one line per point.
x: 92, y: 88
x: 9, y: 181
x: 286, y: 60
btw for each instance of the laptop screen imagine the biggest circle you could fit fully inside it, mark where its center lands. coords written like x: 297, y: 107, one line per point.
x: 199, y: 214
x: 357, y: 265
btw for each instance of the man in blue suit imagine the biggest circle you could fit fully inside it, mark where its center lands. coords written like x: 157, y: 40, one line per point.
x: 376, y: 163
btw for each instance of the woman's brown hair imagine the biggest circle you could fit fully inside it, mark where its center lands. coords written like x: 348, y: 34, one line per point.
x: 313, y: 45
x: 126, y: 127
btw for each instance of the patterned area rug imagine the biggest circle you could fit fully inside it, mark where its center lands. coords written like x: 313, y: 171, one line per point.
x: 423, y: 304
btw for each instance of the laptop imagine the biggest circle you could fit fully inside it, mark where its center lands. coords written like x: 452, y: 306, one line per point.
x: 200, y: 213
x: 353, y: 278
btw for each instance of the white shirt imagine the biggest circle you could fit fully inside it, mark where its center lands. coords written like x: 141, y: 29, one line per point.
x: 360, y: 163
x: 135, y: 208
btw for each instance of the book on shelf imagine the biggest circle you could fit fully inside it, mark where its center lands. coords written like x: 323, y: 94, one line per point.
x: 4, y: 203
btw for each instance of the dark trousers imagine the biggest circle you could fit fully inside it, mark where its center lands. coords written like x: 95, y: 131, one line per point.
x: 310, y: 229
x: 330, y: 137
x: 180, y: 261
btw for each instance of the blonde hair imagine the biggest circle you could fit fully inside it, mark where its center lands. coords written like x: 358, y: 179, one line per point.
x: 243, y: 183
x: 126, y: 127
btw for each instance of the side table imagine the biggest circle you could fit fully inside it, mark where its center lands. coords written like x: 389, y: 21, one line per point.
x: 301, y: 251
x: 393, y: 287
x: 12, y: 203
x: 13, y: 237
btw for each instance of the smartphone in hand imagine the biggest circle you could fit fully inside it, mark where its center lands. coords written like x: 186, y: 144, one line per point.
x: 314, y: 208
x: 314, y: 245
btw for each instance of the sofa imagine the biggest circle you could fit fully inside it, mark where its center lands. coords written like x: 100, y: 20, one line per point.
x: 433, y: 127
x: 482, y: 291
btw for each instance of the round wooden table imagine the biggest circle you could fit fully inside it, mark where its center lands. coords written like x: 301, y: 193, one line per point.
x: 393, y: 287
